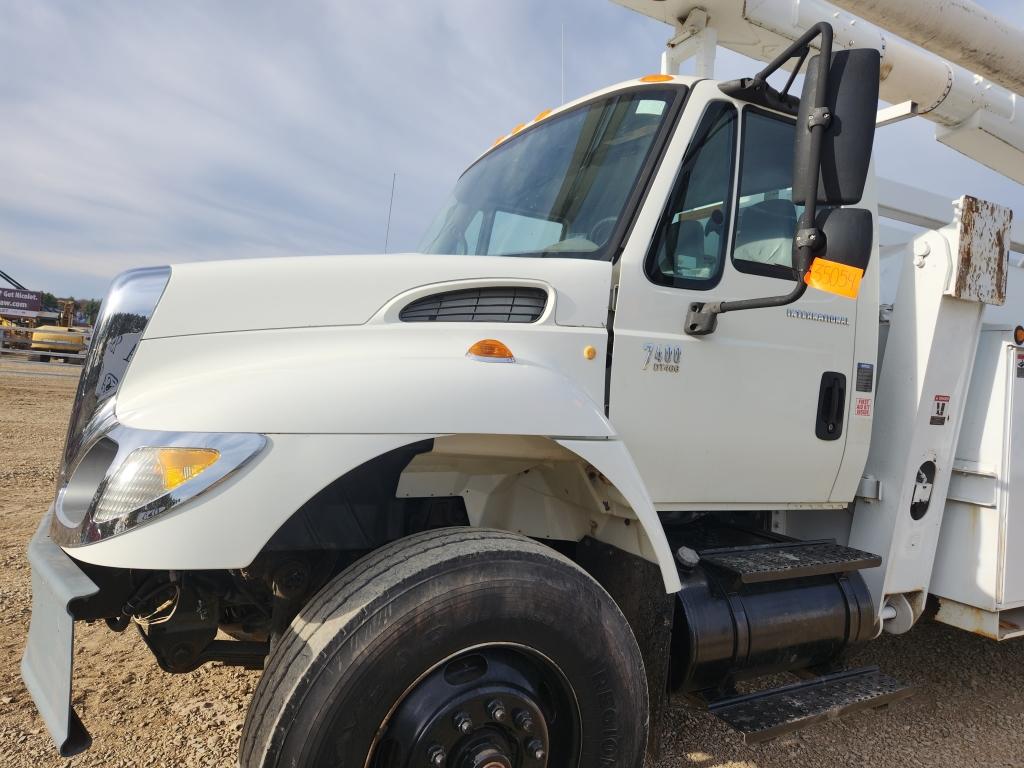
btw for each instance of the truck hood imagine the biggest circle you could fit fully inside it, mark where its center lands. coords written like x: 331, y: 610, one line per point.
x: 303, y: 292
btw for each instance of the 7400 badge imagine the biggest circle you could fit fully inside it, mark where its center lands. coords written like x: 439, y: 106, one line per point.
x: 662, y: 358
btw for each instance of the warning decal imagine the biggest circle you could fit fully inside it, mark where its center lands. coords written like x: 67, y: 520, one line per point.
x: 940, y: 410
x: 865, y: 377
x: 1020, y: 365
x: 862, y: 407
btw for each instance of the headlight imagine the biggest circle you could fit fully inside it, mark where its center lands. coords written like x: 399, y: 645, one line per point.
x: 146, y: 475
x: 127, y: 477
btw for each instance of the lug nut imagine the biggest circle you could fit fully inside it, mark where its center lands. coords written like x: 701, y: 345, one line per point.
x: 497, y: 711
x: 536, y: 749
x: 436, y: 755
x: 523, y: 721
x: 463, y: 723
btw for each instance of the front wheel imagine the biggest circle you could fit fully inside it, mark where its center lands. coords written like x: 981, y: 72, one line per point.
x: 455, y: 648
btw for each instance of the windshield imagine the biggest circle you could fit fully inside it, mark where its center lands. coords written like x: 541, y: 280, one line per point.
x: 558, y: 189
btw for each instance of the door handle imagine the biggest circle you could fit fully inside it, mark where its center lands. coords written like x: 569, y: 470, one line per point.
x: 831, y: 406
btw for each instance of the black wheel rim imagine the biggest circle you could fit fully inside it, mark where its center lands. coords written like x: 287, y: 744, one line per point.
x: 494, y: 706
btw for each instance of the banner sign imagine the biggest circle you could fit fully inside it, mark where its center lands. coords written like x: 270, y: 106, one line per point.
x: 19, y: 300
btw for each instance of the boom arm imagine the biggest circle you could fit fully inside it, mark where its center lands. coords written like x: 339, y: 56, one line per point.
x: 976, y: 117
x: 11, y: 280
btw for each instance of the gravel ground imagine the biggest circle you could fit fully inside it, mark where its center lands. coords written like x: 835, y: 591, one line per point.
x: 969, y: 710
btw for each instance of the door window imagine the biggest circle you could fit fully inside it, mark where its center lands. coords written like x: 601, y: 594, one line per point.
x: 688, y: 250
x: 766, y: 218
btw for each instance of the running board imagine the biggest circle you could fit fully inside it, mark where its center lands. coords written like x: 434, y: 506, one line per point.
x: 767, y: 714
x: 777, y: 561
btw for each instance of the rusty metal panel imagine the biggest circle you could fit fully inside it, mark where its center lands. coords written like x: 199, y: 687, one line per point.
x: 995, y: 625
x: 979, y: 272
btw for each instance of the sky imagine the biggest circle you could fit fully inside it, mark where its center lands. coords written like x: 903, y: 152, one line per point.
x: 141, y: 133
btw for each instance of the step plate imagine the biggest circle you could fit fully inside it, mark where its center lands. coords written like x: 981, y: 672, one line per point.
x: 768, y: 714
x: 754, y: 565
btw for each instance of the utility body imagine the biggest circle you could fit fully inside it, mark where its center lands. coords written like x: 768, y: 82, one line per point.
x: 641, y: 417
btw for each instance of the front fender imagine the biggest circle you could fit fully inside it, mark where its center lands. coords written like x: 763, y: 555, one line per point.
x: 389, y: 379
x: 612, y: 459
x: 229, y: 525
x: 331, y: 399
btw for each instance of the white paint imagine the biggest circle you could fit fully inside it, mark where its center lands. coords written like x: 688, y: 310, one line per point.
x: 960, y: 30
x: 389, y: 378
x: 321, y: 291
x: 929, y: 352
x: 977, y: 563
x: 735, y: 428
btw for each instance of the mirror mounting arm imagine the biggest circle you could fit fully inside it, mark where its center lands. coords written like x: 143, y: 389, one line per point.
x: 702, y: 318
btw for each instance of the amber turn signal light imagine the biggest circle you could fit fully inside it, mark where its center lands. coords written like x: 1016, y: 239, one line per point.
x: 1018, y: 336
x: 490, y: 351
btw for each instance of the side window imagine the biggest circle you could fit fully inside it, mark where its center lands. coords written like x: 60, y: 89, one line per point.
x: 688, y: 250
x: 766, y: 217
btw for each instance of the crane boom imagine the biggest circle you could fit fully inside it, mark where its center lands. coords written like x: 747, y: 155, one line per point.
x: 977, y: 117
x: 11, y: 280
x: 952, y: 29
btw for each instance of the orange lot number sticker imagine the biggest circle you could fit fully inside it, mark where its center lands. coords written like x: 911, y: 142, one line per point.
x: 833, y: 277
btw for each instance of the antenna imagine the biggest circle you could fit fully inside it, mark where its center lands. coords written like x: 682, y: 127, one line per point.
x: 387, y: 232
x: 562, y: 100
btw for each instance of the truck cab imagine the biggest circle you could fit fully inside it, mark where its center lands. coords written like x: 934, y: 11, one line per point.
x: 703, y: 211
x: 483, y: 505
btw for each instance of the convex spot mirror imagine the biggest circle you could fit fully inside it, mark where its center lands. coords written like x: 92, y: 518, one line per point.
x: 849, y: 233
x: 847, y: 139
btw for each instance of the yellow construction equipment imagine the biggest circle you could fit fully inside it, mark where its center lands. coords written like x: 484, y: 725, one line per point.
x: 64, y: 337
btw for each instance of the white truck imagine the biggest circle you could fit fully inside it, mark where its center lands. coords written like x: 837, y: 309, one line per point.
x: 642, y: 417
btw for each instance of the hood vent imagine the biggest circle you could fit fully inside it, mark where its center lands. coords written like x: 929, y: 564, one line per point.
x: 500, y: 304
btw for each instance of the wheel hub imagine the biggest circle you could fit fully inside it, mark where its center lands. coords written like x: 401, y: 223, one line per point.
x: 485, y: 709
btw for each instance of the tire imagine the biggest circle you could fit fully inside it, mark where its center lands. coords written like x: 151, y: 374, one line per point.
x: 486, y: 619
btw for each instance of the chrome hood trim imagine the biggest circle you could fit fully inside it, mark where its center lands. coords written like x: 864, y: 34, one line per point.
x: 123, y: 318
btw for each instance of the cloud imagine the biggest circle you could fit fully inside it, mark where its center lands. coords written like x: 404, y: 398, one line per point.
x: 143, y: 133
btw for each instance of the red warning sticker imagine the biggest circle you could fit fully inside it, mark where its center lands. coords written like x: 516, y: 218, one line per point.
x: 940, y: 411
x: 1020, y: 365
x: 863, y: 406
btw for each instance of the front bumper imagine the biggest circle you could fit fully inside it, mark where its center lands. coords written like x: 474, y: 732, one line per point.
x: 47, y: 664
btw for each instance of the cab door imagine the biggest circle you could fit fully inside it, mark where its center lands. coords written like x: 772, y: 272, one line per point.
x: 752, y: 415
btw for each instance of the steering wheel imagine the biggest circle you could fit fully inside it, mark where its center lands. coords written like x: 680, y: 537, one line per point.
x: 602, y: 230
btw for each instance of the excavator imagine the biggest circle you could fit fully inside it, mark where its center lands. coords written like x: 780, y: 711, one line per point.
x: 62, y: 339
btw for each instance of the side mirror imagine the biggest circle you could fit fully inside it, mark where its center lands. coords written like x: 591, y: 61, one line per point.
x: 848, y: 235
x: 852, y: 103
x: 832, y: 152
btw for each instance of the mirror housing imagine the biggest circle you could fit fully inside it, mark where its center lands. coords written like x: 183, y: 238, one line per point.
x: 840, y: 262
x: 846, y: 142
x: 849, y: 235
